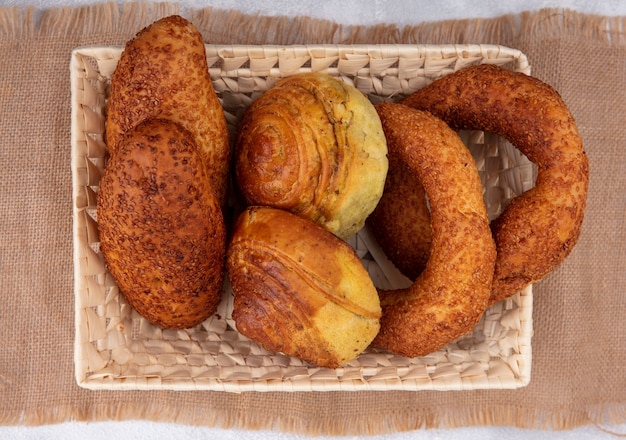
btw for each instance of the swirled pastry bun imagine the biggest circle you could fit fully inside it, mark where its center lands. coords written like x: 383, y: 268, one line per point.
x: 299, y: 289
x: 313, y: 145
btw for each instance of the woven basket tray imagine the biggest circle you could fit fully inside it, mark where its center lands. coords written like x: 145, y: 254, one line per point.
x: 117, y: 349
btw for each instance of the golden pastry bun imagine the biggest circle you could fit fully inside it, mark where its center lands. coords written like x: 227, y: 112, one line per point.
x: 163, y: 73
x: 299, y: 289
x: 161, y: 228
x: 313, y: 145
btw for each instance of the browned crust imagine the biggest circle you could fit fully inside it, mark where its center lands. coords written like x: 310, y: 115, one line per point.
x: 287, y: 154
x: 163, y: 73
x: 161, y: 229
x: 285, y: 271
x: 401, y: 221
x: 539, y: 228
x: 313, y: 145
x: 449, y: 297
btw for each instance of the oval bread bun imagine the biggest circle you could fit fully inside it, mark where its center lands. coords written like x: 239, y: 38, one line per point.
x: 161, y: 229
x: 299, y: 289
x: 313, y: 145
x: 163, y: 73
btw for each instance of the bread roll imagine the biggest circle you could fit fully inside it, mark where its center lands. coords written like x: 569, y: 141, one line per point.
x: 313, y: 145
x: 163, y: 73
x: 299, y: 289
x: 161, y: 228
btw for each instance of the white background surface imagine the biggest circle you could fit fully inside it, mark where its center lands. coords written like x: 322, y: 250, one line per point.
x: 401, y: 12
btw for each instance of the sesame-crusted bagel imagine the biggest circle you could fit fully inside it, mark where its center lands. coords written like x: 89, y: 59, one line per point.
x: 449, y: 297
x: 539, y: 228
x: 400, y: 223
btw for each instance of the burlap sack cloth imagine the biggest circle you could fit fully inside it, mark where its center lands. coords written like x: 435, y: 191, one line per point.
x: 579, y: 344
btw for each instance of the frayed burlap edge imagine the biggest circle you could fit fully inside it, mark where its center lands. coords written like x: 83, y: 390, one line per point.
x: 218, y: 27
x: 604, y: 417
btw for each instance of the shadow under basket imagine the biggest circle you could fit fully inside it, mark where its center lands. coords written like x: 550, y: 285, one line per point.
x: 115, y: 348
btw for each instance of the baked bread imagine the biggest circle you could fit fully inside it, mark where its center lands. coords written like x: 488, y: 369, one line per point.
x: 450, y: 296
x: 401, y: 221
x: 299, y: 289
x: 539, y: 228
x: 161, y: 228
x: 313, y: 145
x: 163, y: 73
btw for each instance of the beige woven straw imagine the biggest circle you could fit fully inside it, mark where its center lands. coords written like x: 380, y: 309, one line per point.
x: 115, y: 348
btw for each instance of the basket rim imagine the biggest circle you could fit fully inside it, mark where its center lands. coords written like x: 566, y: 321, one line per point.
x: 498, y: 53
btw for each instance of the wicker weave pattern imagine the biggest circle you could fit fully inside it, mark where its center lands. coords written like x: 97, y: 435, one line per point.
x: 117, y: 349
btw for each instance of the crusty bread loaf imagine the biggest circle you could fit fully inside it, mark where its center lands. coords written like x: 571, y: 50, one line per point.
x: 163, y: 73
x: 313, y: 145
x: 299, y: 289
x: 161, y: 228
